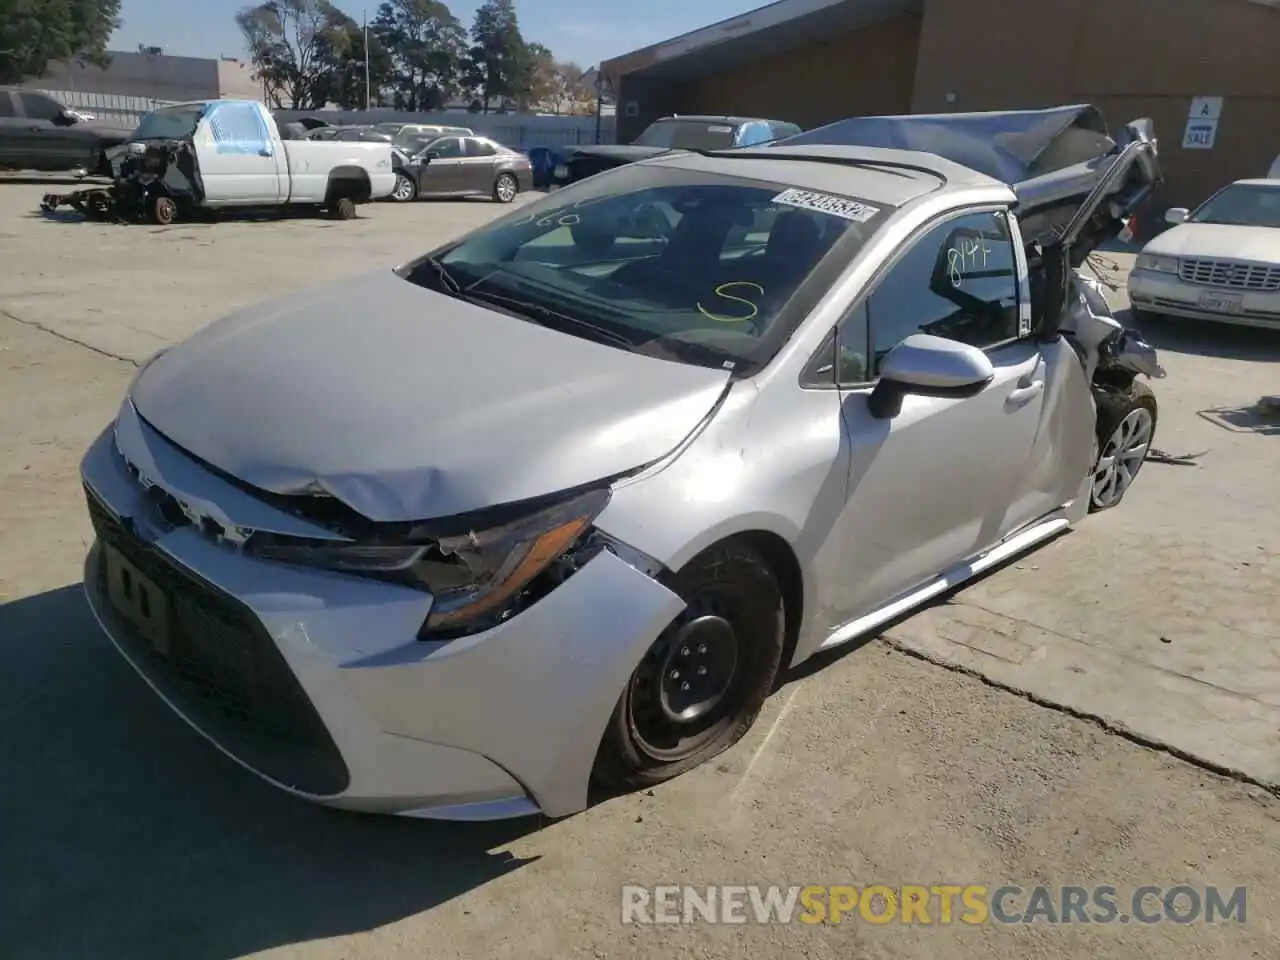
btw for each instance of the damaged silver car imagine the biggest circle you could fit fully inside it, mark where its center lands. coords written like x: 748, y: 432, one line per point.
x: 554, y: 504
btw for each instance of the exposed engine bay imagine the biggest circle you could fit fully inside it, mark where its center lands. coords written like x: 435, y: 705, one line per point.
x: 153, y: 180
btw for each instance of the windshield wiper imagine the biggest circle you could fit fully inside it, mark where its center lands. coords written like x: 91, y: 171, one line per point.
x: 542, y: 315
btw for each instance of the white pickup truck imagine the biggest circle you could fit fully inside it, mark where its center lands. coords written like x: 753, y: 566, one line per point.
x: 230, y: 153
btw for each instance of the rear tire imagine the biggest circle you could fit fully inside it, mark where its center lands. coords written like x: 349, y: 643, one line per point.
x: 1125, y: 428
x: 342, y: 208
x: 702, y: 684
x: 505, y: 188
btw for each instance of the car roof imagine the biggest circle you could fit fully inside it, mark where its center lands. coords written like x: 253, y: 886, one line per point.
x: 1256, y: 182
x: 894, y: 177
x: 712, y: 118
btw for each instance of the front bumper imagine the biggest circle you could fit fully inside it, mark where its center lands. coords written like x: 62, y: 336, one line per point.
x: 316, y: 681
x: 1166, y: 293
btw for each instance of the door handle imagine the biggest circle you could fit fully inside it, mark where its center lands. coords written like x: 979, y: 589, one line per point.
x: 1022, y: 394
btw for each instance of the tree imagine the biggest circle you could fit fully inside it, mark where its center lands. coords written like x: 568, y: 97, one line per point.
x: 427, y: 46
x: 293, y: 45
x: 536, y: 79
x: 342, y: 65
x: 565, y: 80
x: 35, y: 32
x: 497, y: 57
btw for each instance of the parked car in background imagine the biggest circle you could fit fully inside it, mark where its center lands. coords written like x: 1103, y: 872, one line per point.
x: 230, y: 153
x: 671, y: 133
x: 1220, y: 262
x: 39, y: 133
x: 457, y: 539
x: 544, y: 161
x: 460, y: 166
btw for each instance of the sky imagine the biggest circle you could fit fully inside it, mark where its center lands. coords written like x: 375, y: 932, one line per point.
x: 582, y: 31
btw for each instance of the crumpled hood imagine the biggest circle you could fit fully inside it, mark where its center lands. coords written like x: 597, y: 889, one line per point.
x: 407, y: 404
x: 1217, y: 241
x: 619, y: 154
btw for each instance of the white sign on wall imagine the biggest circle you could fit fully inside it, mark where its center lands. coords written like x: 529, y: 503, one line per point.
x: 1205, y: 108
x: 1200, y: 135
x: 1202, y: 123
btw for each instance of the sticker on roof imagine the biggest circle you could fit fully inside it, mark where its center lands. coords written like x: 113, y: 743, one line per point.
x: 827, y: 203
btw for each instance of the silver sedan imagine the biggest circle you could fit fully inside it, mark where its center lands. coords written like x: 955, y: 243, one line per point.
x: 555, y: 503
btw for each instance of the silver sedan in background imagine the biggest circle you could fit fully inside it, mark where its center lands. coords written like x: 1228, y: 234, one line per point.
x: 459, y: 166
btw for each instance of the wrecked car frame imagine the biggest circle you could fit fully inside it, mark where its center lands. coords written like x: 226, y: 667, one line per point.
x: 193, y: 157
x: 557, y: 512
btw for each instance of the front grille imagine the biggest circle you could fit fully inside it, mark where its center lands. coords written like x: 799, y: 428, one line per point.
x: 1230, y: 274
x: 223, y: 671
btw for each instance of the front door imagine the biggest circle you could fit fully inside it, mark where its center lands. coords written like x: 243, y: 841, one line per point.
x: 444, y: 173
x: 240, y: 161
x: 931, y: 486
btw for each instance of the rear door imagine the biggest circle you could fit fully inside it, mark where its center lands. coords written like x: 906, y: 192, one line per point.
x: 479, y: 165
x: 15, y: 134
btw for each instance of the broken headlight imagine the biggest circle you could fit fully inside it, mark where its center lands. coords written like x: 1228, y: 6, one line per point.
x: 475, y: 577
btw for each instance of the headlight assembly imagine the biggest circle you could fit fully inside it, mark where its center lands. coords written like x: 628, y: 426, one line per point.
x: 1151, y: 261
x: 475, y: 578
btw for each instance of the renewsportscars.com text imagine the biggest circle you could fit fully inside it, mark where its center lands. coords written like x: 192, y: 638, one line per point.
x: 971, y: 904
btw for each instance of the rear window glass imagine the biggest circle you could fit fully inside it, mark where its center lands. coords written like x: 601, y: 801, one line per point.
x: 677, y: 263
x: 688, y: 135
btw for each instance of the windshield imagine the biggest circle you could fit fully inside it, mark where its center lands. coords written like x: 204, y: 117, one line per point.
x: 170, y: 123
x: 685, y: 265
x: 1244, y: 205
x: 688, y: 135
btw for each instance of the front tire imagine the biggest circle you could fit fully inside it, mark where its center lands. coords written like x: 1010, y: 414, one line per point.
x: 1125, y: 428
x: 164, y: 210
x: 702, y: 684
x: 404, y: 190
x: 505, y: 188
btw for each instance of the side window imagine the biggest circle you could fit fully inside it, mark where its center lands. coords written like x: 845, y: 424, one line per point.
x: 958, y: 281
x: 842, y: 358
x: 479, y: 148
x: 6, y: 105
x: 448, y: 148
x: 37, y: 107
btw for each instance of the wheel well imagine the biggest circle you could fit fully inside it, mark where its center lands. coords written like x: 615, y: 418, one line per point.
x: 350, y: 182
x: 782, y: 559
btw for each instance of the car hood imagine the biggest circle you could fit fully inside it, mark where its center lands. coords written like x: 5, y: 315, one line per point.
x: 620, y: 154
x: 406, y: 404
x: 1218, y: 240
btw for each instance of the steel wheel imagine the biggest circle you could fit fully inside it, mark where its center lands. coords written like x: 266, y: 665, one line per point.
x: 505, y: 188
x: 403, y: 190
x: 702, y: 682
x: 1122, y: 457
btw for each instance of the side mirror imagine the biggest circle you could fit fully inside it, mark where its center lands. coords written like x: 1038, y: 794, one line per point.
x: 1176, y: 215
x: 928, y: 366
x: 65, y: 118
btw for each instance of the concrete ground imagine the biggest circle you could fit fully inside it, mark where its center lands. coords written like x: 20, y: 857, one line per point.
x: 127, y: 836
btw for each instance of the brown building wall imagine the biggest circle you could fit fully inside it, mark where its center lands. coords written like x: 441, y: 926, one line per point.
x: 1132, y: 58
x: 871, y: 70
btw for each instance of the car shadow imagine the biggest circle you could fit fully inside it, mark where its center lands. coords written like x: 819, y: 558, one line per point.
x: 1195, y: 338
x: 127, y: 835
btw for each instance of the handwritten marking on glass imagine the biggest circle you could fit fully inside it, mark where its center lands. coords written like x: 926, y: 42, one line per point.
x: 967, y: 254
x: 722, y: 292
